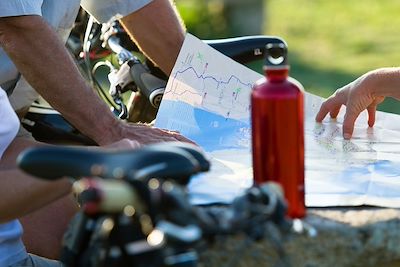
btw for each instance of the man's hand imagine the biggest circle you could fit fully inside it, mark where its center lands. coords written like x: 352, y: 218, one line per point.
x: 141, y: 134
x: 123, y: 144
x: 146, y: 134
x: 359, y: 95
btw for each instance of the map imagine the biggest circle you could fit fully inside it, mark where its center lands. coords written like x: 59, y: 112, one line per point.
x: 207, y: 99
x: 362, y: 171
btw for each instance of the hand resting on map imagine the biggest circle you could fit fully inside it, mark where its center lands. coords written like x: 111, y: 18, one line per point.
x: 366, y: 92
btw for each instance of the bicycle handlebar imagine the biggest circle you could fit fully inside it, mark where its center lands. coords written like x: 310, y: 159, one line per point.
x: 244, y: 49
x: 133, y: 71
x: 151, y: 86
x: 122, y: 53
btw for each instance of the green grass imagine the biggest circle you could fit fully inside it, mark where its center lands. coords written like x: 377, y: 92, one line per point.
x: 331, y: 43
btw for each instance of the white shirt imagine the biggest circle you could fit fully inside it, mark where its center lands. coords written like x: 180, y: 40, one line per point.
x: 11, y: 248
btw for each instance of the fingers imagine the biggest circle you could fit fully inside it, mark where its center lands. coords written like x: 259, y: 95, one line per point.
x: 355, y: 105
x: 184, y: 139
x: 123, y: 144
x: 332, y: 105
x: 177, y: 136
x: 145, y: 134
x: 372, y: 110
x: 371, y: 115
x: 334, y: 112
x: 169, y: 135
x: 323, y: 110
x: 133, y: 144
x: 348, y: 123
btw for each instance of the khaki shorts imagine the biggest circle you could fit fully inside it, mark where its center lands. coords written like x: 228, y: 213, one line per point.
x: 36, y: 261
x: 104, y: 10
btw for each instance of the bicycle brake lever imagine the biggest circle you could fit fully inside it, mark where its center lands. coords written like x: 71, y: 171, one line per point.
x: 122, y: 112
x: 120, y: 79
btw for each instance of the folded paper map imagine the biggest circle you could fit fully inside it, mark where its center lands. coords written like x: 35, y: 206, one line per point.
x: 207, y: 99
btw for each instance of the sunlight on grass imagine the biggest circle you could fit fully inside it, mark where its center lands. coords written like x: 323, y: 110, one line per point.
x: 333, y: 42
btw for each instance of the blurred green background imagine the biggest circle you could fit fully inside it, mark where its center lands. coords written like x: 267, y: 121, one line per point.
x: 331, y: 43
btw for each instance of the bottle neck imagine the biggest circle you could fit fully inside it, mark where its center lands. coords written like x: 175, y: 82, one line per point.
x: 276, y: 74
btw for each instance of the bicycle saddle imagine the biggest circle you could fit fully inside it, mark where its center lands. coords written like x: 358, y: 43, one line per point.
x: 244, y: 49
x: 195, y: 151
x: 161, y: 160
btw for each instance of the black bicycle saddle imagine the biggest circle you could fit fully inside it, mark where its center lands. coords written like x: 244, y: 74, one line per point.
x: 195, y: 151
x: 244, y: 49
x: 160, y: 160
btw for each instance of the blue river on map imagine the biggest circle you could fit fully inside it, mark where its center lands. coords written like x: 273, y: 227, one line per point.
x: 209, y: 130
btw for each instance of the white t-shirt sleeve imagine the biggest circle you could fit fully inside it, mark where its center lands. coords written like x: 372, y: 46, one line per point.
x: 11, y: 8
x: 9, y: 123
x: 104, y: 10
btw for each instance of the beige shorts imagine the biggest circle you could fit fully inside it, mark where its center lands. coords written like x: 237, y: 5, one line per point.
x: 104, y: 10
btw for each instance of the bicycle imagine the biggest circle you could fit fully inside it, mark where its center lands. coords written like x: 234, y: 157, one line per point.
x: 145, y: 83
x: 136, y: 212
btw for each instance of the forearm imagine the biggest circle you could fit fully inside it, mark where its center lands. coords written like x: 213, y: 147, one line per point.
x: 159, y: 32
x: 42, y: 58
x: 21, y: 193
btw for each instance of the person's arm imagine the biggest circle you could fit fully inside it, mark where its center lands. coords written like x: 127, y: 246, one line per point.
x: 36, y: 202
x: 21, y: 193
x: 41, y: 57
x: 366, y: 92
x: 159, y: 32
x: 18, y: 198
x: 36, y: 193
x: 44, y: 61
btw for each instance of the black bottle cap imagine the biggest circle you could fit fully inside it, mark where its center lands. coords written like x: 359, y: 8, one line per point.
x: 276, y: 55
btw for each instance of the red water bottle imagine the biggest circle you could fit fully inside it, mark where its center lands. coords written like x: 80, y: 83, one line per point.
x: 277, y: 114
